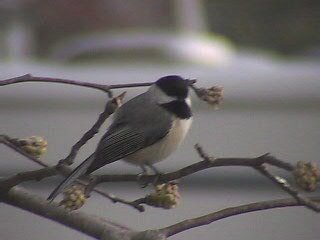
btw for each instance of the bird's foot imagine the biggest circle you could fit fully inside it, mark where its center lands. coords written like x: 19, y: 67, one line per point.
x: 91, y: 185
x: 143, y: 178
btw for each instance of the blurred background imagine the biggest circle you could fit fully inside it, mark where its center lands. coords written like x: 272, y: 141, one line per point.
x: 265, y: 53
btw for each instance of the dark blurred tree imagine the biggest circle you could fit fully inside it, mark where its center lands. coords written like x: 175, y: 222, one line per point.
x: 56, y: 20
x: 289, y: 26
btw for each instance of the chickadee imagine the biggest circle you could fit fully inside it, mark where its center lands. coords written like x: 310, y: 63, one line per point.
x: 145, y: 130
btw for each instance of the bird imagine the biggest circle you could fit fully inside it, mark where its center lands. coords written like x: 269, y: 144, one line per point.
x: 144, y: 131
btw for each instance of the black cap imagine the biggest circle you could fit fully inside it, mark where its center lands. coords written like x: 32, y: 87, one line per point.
x: 174, y: 86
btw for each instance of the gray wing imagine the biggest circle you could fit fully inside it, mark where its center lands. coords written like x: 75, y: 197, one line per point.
x: 137, y: 124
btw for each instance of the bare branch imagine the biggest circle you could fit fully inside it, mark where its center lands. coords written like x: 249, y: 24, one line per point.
x: 258, y: 164
x: 191, y: 169
x: 6, y: 140
x: 286, y: 187
x: 89, y: 225
x: 104, y: 229
x: 110, y: 107
x: 208, y: 162
x: 229, y: 212
x: 265, y: 158
x: 101, y: 87
x: 136, y: 204
x: 30, y: 78
x: 35, y: 175
x: 98, y: 228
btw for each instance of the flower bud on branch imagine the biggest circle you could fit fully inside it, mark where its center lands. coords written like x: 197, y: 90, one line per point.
x: 73, y: 197
x: 307, y: 175
x: 34, y: 145
x: 212, y: 96
x: 166, y: 196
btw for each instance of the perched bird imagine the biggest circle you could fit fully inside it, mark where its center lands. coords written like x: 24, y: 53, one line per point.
x: 145, y: 130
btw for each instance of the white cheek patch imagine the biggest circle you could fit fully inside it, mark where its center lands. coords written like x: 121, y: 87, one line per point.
x: 163, y: 98
x: 188, y: 101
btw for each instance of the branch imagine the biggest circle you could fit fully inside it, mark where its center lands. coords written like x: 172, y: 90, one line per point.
x: 101, y: 87
x: 8, y: 142
x: 103, y: 229
x: 36, y: 175
x: 30, y: 78
x: 286, y: 187
x: 109, y: 109
x: 48, y: 171
x: 258, y: 165
x: 136, y: 204
x: 89, y: 225
x: 229, y: 212
x: 208, y: 162
x: 214, y: 95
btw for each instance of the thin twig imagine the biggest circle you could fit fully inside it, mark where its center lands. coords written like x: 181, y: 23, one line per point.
x: 110, y: 107
x: 49, y: 170
x: 30, y: 78
x: 286, y: 187
x: 6, y: 140
x: 250, y: 162
x: 7, y: 183
x: 228, y: 212
x: 208, y: 162
x: 102, y: 87
x: 131, y: 85
x: 26, y: 201
x: 191, y: 169
x: 199, y: 166
x: 258, y: 164
x: 135, y: 204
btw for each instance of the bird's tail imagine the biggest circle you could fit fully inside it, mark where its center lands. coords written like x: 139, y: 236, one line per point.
x: 77, y: 172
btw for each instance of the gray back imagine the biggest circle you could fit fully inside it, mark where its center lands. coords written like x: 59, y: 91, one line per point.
x: 142, y: 112
x: 138, y: 123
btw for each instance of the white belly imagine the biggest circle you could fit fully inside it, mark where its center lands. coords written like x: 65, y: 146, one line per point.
x: 163, y: 148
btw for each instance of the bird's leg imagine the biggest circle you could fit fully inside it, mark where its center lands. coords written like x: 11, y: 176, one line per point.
x: 144, y: 172
x: 154, y: 169
x: 90, y: 186
x: 157, y: 173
